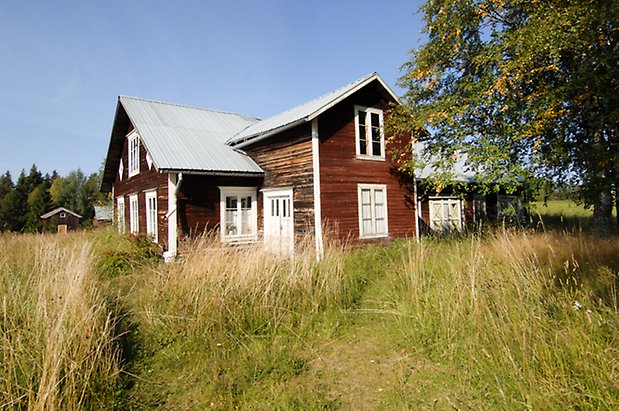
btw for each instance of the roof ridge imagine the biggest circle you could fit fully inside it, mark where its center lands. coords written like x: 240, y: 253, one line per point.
x: 323, y: 95
x: 186, y: 106
x: 336, y: 92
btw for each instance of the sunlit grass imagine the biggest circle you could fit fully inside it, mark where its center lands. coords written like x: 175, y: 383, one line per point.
x: 510, y: 320
x: 56, y: 346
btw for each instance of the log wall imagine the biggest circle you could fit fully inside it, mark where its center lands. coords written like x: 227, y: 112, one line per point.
x: 287, y: 162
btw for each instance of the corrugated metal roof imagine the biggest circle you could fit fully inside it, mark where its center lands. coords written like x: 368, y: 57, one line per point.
x: 104, y: 213
x: 304, y: 112
x: 189, y: 139
x: 58, y: 210
x: 460, y: 171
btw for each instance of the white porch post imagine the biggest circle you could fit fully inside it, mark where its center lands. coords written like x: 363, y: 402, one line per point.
x: 317, y: 208
x: 172, y: 217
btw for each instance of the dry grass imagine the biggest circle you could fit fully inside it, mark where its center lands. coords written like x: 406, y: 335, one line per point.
x: 528, y: 320
x: 56, y: 334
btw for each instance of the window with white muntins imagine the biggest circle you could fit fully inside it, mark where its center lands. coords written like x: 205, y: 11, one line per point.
x: 134, y: 153
x: 238, y: 214
x: 120, y: 214
x: 151, y: 215
x: 134, y: 217
x: 372, y: 210
x: 370, y: 139
x: 445, y: 215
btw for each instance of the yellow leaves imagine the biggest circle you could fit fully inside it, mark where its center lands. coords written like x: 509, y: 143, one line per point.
x: 437, y: 116
x: 536, y: 146
x: 418, y: 74
x: 580, y: 100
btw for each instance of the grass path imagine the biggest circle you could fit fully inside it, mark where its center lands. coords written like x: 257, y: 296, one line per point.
x: 367, y: 366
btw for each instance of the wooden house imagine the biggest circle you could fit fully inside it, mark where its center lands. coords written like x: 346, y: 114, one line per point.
x: 104, y: 215
x: 60, y: 220
x: 175, y: 170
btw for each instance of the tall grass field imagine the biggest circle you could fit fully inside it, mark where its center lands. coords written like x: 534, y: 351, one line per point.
x: 506, y: 320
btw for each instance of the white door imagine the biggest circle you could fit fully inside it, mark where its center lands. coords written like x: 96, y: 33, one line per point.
x: 445, y: 215
x: 278, y: 221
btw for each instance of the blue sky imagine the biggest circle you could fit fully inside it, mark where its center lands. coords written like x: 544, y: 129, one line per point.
x: 63, y: 63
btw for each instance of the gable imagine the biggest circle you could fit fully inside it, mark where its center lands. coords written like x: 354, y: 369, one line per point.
x: 308, y: 111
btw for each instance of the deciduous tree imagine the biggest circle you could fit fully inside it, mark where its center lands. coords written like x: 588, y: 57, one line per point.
x: 523, y: 88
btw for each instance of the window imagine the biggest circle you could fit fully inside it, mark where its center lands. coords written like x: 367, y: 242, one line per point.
x: 238, y: 214
x: 372, y: 210
x: 134, y: 214
x: 151, y: 215
x: 370, y: 140
x: 120, y: 214
x: 509, y: 208
x: 134, y: 153
x: 63, y: 215
x: 445, y: 215
x: 479, y: 208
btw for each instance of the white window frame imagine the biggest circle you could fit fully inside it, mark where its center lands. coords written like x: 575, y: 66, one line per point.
x: 133, y: 153
x: 367, y: 112
x: 151, y: 215
x: 238, y: 192
x: 480, y: 211
x: 134, y: 214
x: 120, y: 214
x: 440, y: 228
x: 511, y: 201
x: 372, y: 188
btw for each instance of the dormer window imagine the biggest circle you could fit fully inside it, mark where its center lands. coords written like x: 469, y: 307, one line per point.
x: 370, y: 139
x: 134, y: 153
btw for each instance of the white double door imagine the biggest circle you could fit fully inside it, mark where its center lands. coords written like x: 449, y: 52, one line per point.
x: 278, y: 221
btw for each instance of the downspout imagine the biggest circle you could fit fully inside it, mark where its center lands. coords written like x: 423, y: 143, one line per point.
x: 415, y: 197
x: 174, y: 186
x: 417, y: 208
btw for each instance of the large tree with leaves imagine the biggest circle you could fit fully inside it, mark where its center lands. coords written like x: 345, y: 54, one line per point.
x: 525, y: 88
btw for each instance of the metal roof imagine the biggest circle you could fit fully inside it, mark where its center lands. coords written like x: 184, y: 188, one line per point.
x: 304, y: 112
x: 104, y: 213
x: 58, y: 210
x: 189, y: 139
x: 460, y: 171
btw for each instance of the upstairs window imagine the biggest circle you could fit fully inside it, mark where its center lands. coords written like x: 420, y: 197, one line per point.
x: 238, y: 214
x: 370, y: 139
x: 134, y: 153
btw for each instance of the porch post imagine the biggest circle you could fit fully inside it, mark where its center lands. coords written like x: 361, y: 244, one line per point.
x: 172, y: 217
x: 316, y: 174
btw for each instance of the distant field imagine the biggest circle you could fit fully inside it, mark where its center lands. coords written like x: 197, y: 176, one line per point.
x: 565, y: 208
x: 508, y: 320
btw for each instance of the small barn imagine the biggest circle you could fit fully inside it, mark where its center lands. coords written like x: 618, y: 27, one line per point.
x: 103, y: 216
x: 60, y: 220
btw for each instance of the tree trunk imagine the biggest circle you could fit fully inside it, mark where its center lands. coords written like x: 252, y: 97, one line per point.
x: 603, y: 213
x: 617, y: 205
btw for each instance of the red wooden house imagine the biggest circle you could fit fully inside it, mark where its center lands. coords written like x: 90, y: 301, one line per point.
x: 176, y: 170
x: 60, y: 220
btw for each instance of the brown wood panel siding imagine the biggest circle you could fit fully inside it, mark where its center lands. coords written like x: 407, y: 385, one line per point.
x: 287, y: 162
x: 341, y: 171
x: 145, y: 180
x: 198, y: 201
